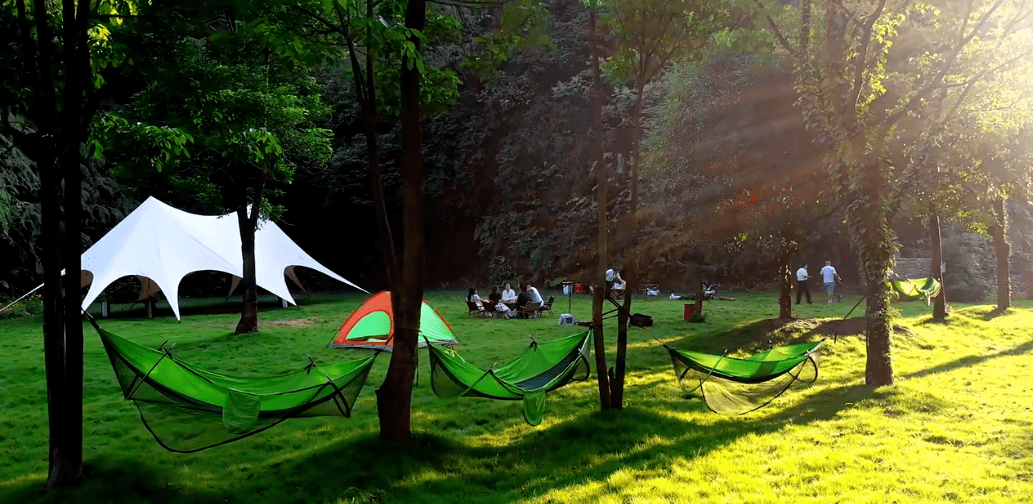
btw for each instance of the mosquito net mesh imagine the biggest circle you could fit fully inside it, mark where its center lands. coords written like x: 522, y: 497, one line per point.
x: 541, y: 368
x: 738, y: 385
x: 189, y: 409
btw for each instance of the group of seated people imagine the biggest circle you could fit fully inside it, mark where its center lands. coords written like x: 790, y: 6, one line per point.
x: 507, y: 302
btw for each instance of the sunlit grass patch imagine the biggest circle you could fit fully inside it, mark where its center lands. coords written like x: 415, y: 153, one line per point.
x: 955, y: 427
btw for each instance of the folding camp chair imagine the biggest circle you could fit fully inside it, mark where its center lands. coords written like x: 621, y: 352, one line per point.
x: 547, y: 307
x: 477, y: 309
x: 531, y: 310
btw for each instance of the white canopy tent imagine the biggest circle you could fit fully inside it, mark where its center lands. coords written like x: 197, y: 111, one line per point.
x: 162, y: 244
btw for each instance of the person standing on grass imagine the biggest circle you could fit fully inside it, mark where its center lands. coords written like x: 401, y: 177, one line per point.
x: 829, y: 277
x: 801, y: 284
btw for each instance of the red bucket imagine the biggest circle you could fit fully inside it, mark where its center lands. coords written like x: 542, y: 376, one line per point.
x: 689, y: 309
x: 579, y: 289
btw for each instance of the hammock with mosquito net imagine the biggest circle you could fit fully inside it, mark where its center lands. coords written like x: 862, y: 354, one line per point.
x: 189, y: 409
x: 913, y: 290
x: 739, y: 385
x: 541, y: 368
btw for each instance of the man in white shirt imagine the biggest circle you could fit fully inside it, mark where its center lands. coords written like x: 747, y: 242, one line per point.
x: 801, y: 284
x: 614, y: 283
x: 829, y: 277
x: 535, y: 296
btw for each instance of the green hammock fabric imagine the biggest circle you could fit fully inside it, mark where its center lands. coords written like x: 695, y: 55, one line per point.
x: 913, y: 290
x: 189, y: 409
x: 541, y: 368
x: 740, y: 385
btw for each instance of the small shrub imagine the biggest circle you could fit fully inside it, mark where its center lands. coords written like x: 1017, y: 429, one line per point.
x: 32, y: 305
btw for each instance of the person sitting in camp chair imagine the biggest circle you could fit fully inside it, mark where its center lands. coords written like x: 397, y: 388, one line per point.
x: 615, y: 285
x: 495, y: 301
x: 523, y: 299
x: 476, y: 306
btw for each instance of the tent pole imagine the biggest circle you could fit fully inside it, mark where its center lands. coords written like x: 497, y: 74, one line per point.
x: 21, y: 298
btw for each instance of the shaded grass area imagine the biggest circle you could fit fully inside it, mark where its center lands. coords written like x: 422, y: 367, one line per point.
x: 955, y: 427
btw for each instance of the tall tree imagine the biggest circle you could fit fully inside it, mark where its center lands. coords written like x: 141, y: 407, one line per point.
x: 374, y: 43
x: 394, y: 396
x: 227, y: 118
x: 855, y: 92
x: 52, y: 70
x: 601, y: 292
x: 650, y: 35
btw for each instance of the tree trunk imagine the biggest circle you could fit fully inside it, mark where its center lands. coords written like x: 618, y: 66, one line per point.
x: 875, y: 251
x: 636, y: 132
x: 878, y: 368
x: 598, y: 298
x: 602, y: 247
x: 940, y: 301
x: 785, y: 283
x: 71, y: 424
x: 249, y: 284
x: 630, y: 277
x: 65, y: 418
x: 999, y: 241
x: 394, y: 397
x: 617, y: 380
x: 697, y: 309
x: 366, y: 89
x: 61, y: 133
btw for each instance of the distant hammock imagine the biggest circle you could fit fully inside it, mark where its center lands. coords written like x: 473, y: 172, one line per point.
x: 913, y: 290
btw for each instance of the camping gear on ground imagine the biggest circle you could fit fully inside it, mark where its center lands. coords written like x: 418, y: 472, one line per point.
x: 739, y: 385
x: 372, y: 326
x: 566, y: 319
x: 913, y: 290
x: 161, y: 245
x: 188, y: 409
x: 542, y: 367
x: 641, y: 320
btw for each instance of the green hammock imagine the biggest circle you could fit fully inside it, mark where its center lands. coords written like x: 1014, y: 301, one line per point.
x: 541, y: 368
x: 731, y: 385
x: 913, y: 290
x: 189, y: 409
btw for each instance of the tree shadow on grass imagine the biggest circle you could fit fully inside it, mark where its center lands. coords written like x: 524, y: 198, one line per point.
x: 110, y: 479
x: 971, y: 360
x: 587, y: 448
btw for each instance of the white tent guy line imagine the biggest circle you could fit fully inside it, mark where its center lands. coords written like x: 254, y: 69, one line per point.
x: 164, y: 244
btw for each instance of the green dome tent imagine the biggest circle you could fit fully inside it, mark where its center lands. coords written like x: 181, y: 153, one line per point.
x: 372, y: 326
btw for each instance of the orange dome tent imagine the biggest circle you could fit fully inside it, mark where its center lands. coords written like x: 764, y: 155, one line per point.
x: 372, y: 326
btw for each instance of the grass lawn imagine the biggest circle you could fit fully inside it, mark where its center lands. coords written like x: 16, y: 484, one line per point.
x: 956, y: 427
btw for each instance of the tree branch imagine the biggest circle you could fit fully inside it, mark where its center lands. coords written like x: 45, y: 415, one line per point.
x: 977, y: 78
x: 860, y: 60
x: 778, y: 33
